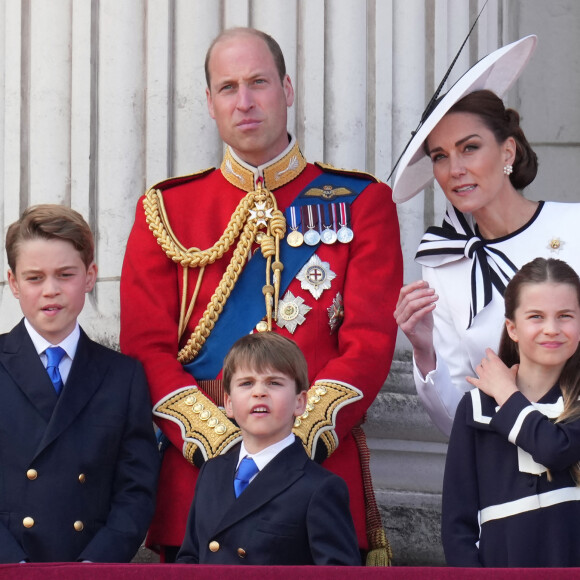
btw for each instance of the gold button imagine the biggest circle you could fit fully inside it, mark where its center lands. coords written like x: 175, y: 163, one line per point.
x: 78, y: 526
x: 28, y: 522
x: 214, y: 546
x: 241, y: 552
x: 262, y: 326
x: 82, y: 477
x: 32, y: 474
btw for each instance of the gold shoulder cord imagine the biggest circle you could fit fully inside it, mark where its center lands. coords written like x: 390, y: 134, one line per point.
x: 257, y: 211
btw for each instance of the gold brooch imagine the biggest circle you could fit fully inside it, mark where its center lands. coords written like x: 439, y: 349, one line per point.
x: 555, y: 244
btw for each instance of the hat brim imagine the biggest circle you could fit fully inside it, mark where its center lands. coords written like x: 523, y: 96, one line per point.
x: 496, y: 72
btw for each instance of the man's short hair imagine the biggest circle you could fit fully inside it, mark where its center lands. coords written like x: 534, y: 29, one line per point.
x: 265, y: 351
x: 50, y: 222
x: 272, y: 45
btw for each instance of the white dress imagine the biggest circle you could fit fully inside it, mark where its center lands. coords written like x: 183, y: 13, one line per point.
x: 553, y: 232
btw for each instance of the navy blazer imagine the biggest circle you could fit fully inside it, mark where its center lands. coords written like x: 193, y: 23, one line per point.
x: 295, y: 512
x: 78, y: 471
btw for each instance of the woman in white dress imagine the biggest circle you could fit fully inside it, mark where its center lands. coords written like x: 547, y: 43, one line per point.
x: 479, y: 155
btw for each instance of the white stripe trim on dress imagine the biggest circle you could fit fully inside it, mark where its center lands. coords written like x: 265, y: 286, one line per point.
x: 526, y: 504
x: 515, y: 430
x: 476, y: 404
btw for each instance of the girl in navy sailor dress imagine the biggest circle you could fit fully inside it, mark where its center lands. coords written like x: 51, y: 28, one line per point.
x: 510, y: 493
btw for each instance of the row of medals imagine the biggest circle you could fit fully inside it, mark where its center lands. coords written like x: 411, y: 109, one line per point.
x: 312, y: 237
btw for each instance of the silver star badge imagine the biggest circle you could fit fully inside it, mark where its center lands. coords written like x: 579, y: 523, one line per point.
x: 260, y: 213
x: 291, y: 311
x: 316, y: 276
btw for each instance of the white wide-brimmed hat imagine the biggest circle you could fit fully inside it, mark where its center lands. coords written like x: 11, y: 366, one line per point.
x: 496, y: 72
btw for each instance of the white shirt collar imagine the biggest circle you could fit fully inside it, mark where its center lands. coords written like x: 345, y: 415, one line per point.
x: 69, y: 344
x: 262, y: 458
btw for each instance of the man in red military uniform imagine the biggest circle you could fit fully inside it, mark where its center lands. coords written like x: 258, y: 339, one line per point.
x: 267, y: 242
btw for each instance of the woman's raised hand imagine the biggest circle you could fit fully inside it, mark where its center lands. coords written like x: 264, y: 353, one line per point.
x: 414, y: 315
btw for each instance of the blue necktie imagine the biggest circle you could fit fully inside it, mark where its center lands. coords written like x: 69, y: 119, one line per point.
x: 54, y: 355
x: 246, y: 471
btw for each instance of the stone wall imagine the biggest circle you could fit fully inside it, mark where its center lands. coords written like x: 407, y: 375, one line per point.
x: 407, y: 462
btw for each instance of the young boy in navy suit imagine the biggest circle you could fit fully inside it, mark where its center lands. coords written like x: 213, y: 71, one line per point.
x: 78, y: 458
x: 265, y: 502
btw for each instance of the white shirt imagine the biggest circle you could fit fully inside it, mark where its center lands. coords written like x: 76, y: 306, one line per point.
x: 262, y: 458
x: 69, y: 345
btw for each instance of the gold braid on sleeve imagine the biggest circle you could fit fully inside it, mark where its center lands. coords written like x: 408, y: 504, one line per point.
x: 256, y: 211
x: 325, y: 399
x: 203, y: 424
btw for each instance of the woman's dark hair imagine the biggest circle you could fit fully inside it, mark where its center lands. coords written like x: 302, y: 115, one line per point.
x: 503, y: 123
x: 539, y: 271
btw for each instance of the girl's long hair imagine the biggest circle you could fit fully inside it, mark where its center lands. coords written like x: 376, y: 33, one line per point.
x: 539, y: 271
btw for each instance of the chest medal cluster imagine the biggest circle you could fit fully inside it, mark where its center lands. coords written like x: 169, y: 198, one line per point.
x: 321, y: 216
x: 315, y: 223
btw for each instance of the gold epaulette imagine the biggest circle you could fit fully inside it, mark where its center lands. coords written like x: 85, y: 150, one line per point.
x: 350, y: 172
x: 180, y: 180
x: 325, y: 399
x: 203, y: 424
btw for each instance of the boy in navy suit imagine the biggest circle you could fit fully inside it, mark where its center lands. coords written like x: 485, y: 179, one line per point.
x: 293, y: 512
x: 78, y: 459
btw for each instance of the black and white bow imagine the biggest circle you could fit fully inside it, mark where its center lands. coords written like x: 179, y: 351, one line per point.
x: 457, y: 239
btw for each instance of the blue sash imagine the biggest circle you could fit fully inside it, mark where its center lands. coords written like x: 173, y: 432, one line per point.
x: 243, y: 310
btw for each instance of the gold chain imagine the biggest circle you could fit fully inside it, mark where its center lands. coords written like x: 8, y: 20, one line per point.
x: 244, y: 224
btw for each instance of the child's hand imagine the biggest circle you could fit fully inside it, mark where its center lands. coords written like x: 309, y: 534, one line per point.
x: 495, y: 378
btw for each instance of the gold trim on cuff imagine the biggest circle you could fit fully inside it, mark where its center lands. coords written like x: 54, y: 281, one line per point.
x: 203, y: 424
x: 325, y: 399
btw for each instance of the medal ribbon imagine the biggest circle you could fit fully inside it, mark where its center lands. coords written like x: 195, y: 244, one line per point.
x: 292, y: 216
x: 311, y: 218
x: 320, y: 213
x: 332, y: 209
x: 328, y: 216
x: 344, y: 214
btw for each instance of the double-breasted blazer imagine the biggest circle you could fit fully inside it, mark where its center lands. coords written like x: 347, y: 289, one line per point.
x: 294, y: 512
x: 78, y: 471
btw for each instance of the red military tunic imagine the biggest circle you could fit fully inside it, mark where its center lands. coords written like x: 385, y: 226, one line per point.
x: 355, y: 357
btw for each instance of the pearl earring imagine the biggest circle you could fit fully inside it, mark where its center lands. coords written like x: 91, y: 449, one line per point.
x: 508, y: 169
